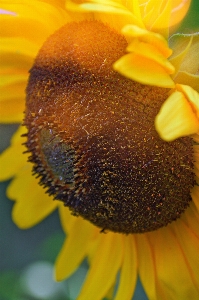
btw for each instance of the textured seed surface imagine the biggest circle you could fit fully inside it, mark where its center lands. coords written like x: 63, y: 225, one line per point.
x: 92, y: 139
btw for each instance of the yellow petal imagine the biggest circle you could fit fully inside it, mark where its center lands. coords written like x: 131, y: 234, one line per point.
x: 128, y: 273
x: 31, y: 17
x: 133, y: 66
x: 149, y: 37
x: 11, y: 110
x: 146, y: 266
x: 134, y: 7
x: 191, y: 95
x: 19, y: 47
x: 161, y: 24
x: 114, y: 8
x: 191, y: 219
x: 12, y: 103
x: 179, y: 10
x: 74, y: 249
x: 171, y: 265
x: 66, y: 218
x: 176, y: 118
x: 8, y: 162
x: 150, y: 52
x: 104, y: 267
x: 32, y: 204
x: 189, y: 242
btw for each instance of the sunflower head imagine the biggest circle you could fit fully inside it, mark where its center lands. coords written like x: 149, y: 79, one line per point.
x: 92, y: 137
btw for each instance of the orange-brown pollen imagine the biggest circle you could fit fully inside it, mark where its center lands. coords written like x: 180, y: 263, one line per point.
x: 92, y: 138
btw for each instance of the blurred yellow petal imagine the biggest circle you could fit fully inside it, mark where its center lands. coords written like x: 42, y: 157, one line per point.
x: 176, y: 118
x: 159, y: 15
x: 31, y: 17
x: 11, y: 110
x: 189, y: 242
x: 66, y: 218
x: 104, y: 259
x: 133, y: 66
x: 179, y: 11
x: 12, y: 104
x: 18, y: 46
x: 168, y: 257
x: 150, y: 52
x: 191, y: 95
x: 74, y: 249
x: 128, y: 274
x: 32, y: 204
x: 121, y: 12
x: 149, y: 37
x: 146, y: 267
x: 9, y: 165
x: 134, y: 7
x: 161, y: 24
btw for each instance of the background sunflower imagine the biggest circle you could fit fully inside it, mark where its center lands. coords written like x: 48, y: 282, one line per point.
x: 25, y: 253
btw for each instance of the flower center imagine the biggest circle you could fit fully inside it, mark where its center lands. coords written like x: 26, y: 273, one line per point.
x: 92, y: 138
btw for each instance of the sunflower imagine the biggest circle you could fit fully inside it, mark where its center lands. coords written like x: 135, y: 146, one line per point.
x: 112, y: 122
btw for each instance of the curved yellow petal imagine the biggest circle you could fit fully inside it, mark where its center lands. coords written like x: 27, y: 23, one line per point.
x: 149, y: 37
x: 191, y: 95
x: 150, y: 52
x: 32, y: 204
x: 31, y: 17
x: 178, y: 12
x: 171, y: 265
x: 115, y: 9
x: 189, y: 242
x: 133, y: 66
x: 128, y: 275
x: 161, y: 24
x: 176, y: 118
x: 74, y: 249
x: 104, y: 267
x: 8, y: 162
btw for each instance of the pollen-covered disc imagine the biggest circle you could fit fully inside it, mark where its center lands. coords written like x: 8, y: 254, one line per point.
x: 92, y: 138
